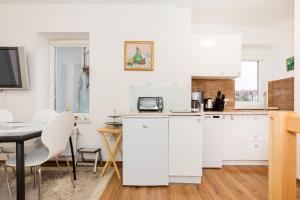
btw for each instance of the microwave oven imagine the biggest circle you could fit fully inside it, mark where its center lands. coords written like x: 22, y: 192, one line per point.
x: 150, y: 104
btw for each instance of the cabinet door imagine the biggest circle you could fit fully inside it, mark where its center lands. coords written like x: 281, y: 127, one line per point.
x: 212, y: 141
x: 255, y: 151
x: 232, y: 49
x: 233, y: 138
x: 185, y: 146
x: 145, y: 151
x: 256, y: 123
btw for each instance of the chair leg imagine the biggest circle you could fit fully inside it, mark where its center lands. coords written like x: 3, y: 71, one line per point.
x: 96, y: 161
x: 82, y: 157
x: 34, y: 179
x: 77, y: 158
x: 7, y: 181
x: 40, y: 183
x: 58, y: 167
x: 100, y: 157
x: 70, y: 172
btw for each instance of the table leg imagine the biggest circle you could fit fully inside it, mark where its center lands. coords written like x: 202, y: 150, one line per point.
x: 20, y: 170
x: 111, y: 154
x: 73, y: 158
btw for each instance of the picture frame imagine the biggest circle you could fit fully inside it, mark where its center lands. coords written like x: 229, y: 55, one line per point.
x: 139, y: 55
x: 290, y: 64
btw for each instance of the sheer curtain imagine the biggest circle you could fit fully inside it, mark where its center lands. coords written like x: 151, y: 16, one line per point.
x: 71, y: 81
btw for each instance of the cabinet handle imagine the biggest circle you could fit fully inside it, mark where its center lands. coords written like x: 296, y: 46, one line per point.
x: 231, y: 117
x: 255, y: 146
x: 256, y: 136
x: 145, y: 126
x: 198, y: 120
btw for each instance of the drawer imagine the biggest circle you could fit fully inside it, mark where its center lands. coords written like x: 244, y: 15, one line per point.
x: 256, y: 123
x: 255, y: 151
x: 255, y: 137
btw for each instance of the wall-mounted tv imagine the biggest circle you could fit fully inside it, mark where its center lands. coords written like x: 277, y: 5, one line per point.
x: 13, y: 68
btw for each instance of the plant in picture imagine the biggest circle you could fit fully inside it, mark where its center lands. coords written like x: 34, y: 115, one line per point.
x: 138, y: 58
x: 138, y: 55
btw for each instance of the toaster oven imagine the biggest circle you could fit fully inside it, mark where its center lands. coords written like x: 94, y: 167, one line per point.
x: 150, y: 104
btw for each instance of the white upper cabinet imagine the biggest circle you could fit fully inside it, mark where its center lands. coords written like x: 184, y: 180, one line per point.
x: 214, y: 55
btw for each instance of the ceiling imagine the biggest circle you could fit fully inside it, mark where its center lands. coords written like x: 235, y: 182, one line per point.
x: 242, y: 12
x: 215, y: 12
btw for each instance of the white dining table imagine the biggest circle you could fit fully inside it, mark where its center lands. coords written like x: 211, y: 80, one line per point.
x: 19, y: 132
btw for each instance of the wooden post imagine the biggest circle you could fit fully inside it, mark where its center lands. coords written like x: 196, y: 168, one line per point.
x: 282, y: 155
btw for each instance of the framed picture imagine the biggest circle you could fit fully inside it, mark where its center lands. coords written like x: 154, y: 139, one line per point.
x: 139, y: 55
x: 290, y: 64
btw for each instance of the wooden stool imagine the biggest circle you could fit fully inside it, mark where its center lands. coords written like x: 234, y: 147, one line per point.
x: 117, y: 133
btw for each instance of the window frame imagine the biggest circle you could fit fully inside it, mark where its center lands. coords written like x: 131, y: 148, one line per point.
x: 248, y: 104
x: 52, y: 45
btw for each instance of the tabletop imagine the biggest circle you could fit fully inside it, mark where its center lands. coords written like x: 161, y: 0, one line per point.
x: 18, y: 131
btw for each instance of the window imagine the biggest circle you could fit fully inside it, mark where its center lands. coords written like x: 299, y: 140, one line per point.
x: 70, y: 73
x: 246, y: 86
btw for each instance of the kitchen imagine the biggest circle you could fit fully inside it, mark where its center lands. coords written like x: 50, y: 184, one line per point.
x: 220, y: 119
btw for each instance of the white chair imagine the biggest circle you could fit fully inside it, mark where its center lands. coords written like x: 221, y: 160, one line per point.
x: 55, y: 137
x: 6, y: 116
x: 43, y: 116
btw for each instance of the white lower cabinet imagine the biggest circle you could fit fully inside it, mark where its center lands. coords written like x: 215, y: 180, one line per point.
x: 145, y: 151
x: 233, y: 138
x: 255, y: 151
x: 185, y: 149
x: 244, y: 138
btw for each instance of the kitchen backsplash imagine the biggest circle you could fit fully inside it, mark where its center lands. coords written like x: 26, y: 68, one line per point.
x: 210, y: 87
x: 176, y: 97
x: 281, y: 94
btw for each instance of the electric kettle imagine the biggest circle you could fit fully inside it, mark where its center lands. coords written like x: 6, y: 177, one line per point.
x: 208, y: 104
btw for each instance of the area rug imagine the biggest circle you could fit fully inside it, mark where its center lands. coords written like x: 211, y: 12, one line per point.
x: 89, y: 186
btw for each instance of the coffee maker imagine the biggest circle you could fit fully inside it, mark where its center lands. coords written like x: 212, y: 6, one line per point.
x: 197, y: 101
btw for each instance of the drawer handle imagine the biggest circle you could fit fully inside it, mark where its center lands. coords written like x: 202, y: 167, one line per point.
x: 255, y: 146
x: 145, y: 126
x: 198, y: 120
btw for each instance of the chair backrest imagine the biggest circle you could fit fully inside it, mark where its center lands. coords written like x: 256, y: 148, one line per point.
x: 6, y: 116
x: 44, y: 115
x: 55, y: 135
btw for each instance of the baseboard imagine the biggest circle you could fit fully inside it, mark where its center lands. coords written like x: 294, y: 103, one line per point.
x: 185, y: 179
x: 245, y: 162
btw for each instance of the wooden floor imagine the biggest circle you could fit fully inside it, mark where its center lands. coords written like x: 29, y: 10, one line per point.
x: 230, y: 182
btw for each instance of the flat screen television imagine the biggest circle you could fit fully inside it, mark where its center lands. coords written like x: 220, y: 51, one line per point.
x: 13, y: 68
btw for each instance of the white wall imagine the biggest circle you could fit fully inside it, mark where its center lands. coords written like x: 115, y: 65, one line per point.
x: 108, y: 25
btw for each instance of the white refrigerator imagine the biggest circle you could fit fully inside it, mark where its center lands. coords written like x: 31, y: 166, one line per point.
x: 145, y: 151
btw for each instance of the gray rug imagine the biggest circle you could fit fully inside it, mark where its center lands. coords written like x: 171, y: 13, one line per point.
x: 89, y: 186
